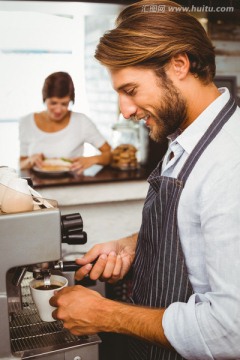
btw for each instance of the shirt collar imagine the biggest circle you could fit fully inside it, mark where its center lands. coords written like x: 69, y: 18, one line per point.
x: 193, y: 133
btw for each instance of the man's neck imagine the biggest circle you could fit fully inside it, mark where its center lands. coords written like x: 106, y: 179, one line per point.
x: 198, y: 99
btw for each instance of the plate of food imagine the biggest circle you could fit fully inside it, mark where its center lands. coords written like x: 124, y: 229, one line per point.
x: 54, y: 167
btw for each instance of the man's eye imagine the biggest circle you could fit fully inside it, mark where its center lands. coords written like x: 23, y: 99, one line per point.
x: 130, y: 92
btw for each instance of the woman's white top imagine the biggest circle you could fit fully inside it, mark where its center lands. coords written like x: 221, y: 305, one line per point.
x: 67, y: 142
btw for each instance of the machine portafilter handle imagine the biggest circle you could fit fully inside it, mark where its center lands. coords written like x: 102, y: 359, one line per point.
x: 39, y: 271
x: 72, y: 229
x: 69, y: 265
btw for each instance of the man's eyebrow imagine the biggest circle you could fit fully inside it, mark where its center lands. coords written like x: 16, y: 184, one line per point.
x: 126, y: 85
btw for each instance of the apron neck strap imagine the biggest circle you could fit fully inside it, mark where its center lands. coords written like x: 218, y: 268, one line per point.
x: 215, y: 127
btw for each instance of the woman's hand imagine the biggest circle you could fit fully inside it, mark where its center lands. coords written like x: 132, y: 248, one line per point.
x: 38, y: 160
x: 112, y: 260
x: 29, y: 162
x: 79, y: 164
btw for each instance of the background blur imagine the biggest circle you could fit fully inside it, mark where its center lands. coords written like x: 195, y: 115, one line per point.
x: 38, y: 38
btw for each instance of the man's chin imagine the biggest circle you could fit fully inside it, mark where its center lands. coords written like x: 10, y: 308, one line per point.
x: 156, y: 137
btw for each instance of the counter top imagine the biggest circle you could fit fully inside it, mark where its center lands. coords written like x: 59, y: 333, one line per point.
x: 102, y: 175
x: 107, y: 186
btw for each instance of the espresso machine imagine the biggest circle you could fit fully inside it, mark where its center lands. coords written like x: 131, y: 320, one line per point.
x: 30, y: 247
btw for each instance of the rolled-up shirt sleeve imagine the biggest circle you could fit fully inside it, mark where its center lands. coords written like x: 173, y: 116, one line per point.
x: 181, y: 327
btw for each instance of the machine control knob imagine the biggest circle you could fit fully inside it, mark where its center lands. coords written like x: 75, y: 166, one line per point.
x: 72, y: 229
x: 71, y: 222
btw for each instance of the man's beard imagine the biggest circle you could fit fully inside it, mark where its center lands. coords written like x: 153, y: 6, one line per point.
x: 171, y: 114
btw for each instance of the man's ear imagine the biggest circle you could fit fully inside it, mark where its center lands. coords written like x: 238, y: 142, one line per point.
x: 180, y: 65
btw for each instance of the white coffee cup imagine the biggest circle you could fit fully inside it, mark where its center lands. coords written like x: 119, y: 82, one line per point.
x: 17, y: 197
x: 41, y: 297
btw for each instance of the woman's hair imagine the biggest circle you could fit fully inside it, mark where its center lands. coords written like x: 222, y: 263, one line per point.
x: 150, y: 32
x: 58, y: 84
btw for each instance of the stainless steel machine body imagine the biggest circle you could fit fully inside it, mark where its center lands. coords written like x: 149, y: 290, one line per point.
x: 29, y: 240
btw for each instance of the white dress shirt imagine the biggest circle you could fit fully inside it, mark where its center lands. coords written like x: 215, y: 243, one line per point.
x: 208, y: 325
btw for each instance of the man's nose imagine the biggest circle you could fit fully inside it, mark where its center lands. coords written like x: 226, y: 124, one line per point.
x: 127, y: 107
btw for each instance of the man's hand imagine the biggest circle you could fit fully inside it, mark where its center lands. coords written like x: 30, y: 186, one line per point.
x: 112, y: 260
x: 84, y: 312
x: 79, y: 308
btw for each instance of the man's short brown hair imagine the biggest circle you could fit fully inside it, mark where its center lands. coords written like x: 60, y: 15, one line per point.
x: 150, y: 32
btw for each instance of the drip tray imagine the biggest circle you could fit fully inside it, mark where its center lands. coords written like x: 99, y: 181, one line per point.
x: 30, y: 336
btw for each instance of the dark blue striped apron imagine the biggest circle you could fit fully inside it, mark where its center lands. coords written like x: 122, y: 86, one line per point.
x: 160, y: 274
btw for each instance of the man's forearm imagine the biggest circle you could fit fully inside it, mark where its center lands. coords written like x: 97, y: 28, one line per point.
x: 128, y: 242
x: 141, y: 322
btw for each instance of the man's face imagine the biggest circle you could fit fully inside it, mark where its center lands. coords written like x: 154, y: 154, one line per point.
x: 144, y: 95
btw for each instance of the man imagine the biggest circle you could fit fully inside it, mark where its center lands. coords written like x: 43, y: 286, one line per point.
x: 186, y: 284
